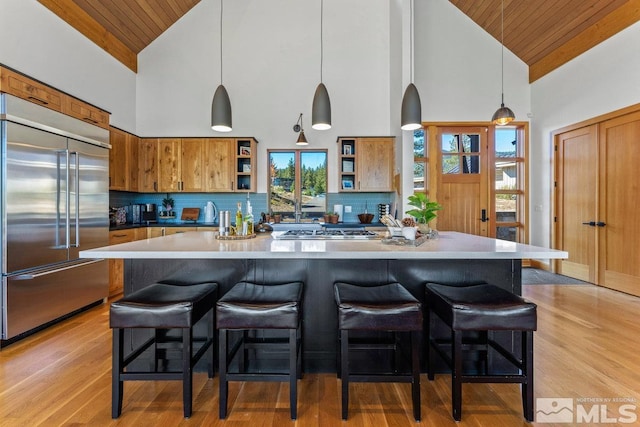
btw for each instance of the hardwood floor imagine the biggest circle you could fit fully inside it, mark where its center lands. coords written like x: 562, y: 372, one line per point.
x: 587, y: 346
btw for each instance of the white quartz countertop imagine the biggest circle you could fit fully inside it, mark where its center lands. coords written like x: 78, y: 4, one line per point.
x: 204, y: 245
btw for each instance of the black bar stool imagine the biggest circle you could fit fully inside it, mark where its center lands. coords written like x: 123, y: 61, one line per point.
x: 482, y: 308
x: 161, y: 307
x: 388, y: 308
x: 249, y: 307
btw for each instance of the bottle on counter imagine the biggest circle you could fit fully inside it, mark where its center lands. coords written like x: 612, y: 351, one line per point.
x: 239, y: 219
x: 248, y: 220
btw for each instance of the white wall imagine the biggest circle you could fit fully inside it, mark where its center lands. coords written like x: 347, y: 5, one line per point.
x: 34, y: 41
x: 271, y: 69
x: 604, y: 79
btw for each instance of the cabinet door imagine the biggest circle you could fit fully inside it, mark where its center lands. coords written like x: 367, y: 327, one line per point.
x: 86, y: 112
x: 148, y: 165
x: 374, y: 163
x: 116, y: 266
x: 26, y: 88
x: 133, y: 147
x: 118, y: 162
x: 191, y: 161
x: 219, y: 158
x: 169, y: 170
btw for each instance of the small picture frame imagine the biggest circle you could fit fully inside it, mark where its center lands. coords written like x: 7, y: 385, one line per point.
x: 246, y: 168
x: 245, y: 151
x: 347, y: 166
x: 347, y: 184
x: 346, y: 150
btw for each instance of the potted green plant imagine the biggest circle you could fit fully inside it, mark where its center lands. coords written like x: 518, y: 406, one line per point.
x: 424, y: 210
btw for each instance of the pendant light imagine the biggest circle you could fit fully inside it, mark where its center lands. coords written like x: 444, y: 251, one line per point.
x: 411, y: 115
x: 321, y: 109
x: 298, y: 127
x: 221, y: 105
x: 504, y: 114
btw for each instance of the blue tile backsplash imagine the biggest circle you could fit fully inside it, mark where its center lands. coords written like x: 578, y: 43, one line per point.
x: 228, y: 201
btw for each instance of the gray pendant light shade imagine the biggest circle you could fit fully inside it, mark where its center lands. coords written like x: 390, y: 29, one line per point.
x: 321, y: 110
x: 221, y: 111
x: 221, y: 105
x: 411, y: 116
x: 503, y: 116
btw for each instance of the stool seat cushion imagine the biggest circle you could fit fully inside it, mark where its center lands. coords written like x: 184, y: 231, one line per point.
x: 481, y: 307
x: 387, y: 307
x: 163, y: 306
x: 251, y: 306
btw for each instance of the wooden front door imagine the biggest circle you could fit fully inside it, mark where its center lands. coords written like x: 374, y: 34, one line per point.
x: 619, y: 204
x: 576, y: 202
x: 462, y: 181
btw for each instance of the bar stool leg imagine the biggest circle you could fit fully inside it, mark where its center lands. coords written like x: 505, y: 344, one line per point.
x: 344, y: 374
x: 116, y: 370
x: 429, y: 350
x: 222, y: 359
x: 187, y: 375
x: 456, y: 382
x: 210, y: 336
x: 527, y: 363
x: 293, y: 372
x: 415, y: 368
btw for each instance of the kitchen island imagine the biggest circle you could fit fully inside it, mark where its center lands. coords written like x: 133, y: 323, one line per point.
x: 452, y: 259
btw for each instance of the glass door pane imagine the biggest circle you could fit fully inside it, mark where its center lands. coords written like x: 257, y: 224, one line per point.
x: 282, y: 171
x: 313, y: 188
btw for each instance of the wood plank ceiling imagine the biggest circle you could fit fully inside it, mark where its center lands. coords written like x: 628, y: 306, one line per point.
x: 543, y: 33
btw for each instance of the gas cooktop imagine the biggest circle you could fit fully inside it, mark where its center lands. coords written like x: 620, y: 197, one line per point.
x: 331, y: 233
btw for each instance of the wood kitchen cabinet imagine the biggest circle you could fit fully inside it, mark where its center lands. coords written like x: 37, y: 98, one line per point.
x: 29, y: 89
x: 123, y: 160
x: 85, y: 112
x: 116, y: 266
x: 219, y: 158
x: 366, y: 164
x: 39, y: 93
x: 166, y: 231
x: 148, y: 165
x: 180, y: 165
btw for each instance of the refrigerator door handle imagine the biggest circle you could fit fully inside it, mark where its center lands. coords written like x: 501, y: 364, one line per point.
x: 68, y: 202
x: 51, y: 270
x: 77, y: 199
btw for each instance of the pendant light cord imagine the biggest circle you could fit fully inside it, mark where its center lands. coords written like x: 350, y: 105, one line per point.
x: 411, y: 42
x: 502, y: 53
x: 321, y: 38
x: 221, y: 3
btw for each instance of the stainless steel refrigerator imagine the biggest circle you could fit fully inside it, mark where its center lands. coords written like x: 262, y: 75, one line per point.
x: 54, y: 202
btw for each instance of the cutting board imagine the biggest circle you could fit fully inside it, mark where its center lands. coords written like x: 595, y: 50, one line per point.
x: 190, y: 214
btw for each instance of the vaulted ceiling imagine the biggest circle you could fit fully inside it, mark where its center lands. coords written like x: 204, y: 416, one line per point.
x: 543, y: 33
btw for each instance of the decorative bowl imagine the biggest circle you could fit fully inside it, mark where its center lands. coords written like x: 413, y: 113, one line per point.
x: 365, y: 218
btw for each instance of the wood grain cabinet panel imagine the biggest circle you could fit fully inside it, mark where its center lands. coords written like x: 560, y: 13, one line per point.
x: 85, y: 112
x: 148, y: 165
x: 29, y: 89
x: 366, y: 164
x: 116, y: 266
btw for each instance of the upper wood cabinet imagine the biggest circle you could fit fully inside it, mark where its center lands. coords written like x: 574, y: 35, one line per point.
x: 85, y: 112
x: 31, y: 90
x: 219, y: 159
x: 148, y: 165
x: 180, y: 164
x: 39, y: 93
x: 123, y: 160
x: 366, y: 164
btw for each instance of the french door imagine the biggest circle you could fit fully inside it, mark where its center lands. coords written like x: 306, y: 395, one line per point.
x: 478, y: 174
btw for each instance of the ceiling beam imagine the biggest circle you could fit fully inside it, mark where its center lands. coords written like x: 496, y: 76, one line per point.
x: 624, y: 16
x: 90, y: 28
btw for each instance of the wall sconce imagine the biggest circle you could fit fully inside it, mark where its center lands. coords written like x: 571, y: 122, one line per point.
x: 302, y: 140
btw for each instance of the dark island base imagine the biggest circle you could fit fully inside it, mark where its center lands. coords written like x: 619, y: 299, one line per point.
x: 318, y: 275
